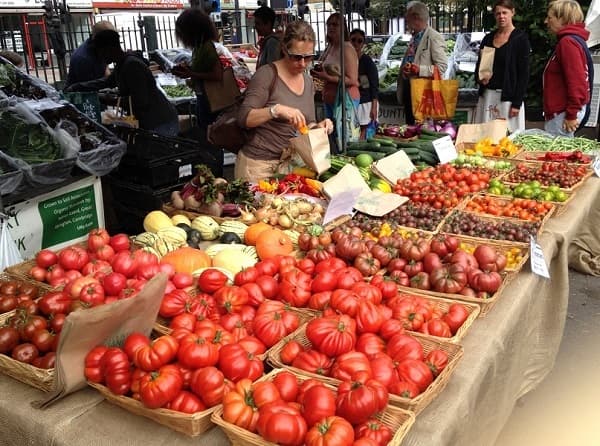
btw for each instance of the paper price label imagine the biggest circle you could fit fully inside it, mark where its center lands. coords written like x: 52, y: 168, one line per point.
x: 538, y: 262
x: 185, y: 170
x: 444, y: 147
x: 596, y: 165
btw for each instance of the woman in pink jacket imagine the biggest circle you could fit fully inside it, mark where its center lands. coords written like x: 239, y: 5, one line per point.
x: 566, y: 76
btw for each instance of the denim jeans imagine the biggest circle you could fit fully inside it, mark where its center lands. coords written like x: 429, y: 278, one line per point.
x: 554, y: 126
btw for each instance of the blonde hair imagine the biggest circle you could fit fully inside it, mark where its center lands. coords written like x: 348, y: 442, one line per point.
x: 300, y: 31
x: 567, y: 12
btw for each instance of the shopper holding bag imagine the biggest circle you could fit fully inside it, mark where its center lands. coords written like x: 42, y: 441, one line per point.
x: 368, y: 78
x: 502, y: 91
x: 278, y: 103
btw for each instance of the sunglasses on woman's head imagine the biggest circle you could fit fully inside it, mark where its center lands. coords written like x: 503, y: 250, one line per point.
x: 300, y: 57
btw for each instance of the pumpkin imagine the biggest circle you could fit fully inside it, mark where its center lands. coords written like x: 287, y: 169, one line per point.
x: 254, y: 231
x: 187, y: 260
x: 273, y: 242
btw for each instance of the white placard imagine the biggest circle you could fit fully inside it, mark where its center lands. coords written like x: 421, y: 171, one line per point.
x: 596, y: 165
x: 341, y: 204
x: 536, y: 257
x: 394, y: 167
x: 185, y: 170
x: 444, y: 147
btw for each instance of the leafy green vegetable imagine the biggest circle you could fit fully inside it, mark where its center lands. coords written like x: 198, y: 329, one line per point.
x: 178, y: 91
x: 7, y: 76
x: 30, y: 142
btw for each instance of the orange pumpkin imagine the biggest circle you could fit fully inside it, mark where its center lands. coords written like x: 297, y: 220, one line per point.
x: 253, y: 231
x: 187, y: 260
x: 272, y: 242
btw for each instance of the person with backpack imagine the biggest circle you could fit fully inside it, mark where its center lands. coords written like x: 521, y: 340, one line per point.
x: 568, y: 74
x: 269, y: 43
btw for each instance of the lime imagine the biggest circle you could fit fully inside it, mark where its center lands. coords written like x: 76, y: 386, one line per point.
x: 506, y: 190
x: 560, y: 196
x: 518, y: 191
x: 526, y: 192
x: 547, y: 196
x: 495, y: 190
x: 363, y: 160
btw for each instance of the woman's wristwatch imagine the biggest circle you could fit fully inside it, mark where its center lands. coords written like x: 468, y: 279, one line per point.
x: 273, y: 111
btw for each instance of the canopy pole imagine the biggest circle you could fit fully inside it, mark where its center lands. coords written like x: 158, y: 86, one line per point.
x: 343, y: 76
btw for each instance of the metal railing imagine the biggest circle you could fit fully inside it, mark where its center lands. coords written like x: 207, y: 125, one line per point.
x: 34, y: 37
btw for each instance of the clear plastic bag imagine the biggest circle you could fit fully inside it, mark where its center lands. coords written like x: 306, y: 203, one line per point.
x: 9, y: 254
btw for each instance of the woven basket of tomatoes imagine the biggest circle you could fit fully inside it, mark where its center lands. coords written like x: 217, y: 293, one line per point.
x: 325, y: 413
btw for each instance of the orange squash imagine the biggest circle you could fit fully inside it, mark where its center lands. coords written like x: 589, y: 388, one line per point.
x: 253, y: 231
x: 272, y: 242
x: 187, y: 260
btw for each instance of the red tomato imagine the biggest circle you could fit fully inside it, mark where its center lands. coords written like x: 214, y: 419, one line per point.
x: 55, y: 302
x: 238, y: 408
x: 116, y: 370
x: 268, y: 285
x: 92, y: 294
x: 416, y: 372
x: 93, y: 360
x: 9, y: 339
x: 347, y: 364
x: 133, y: 343
x: 181, y: 280
x: 125, y: 262
x: 96, y: 238
x: 159, y: 352
x: 360, y: 399
x: 73, y: 257
x: 404, y: 389
x: 317, y: 402
x: 401, y: 347
x: 186, y: 402
x: 289, y: 351
x: 160, y: 387
x: 230, y: 299
x: 247, y: 275
x: 375, y: 430
x: 236, y: 363
x: 313, y: 361
x: 46, y: 258
x: 38, y: 273
x: 324, y: 281
x: 119, y: 242
x: 113, y: 283
x: 287, y: 384
x: 436, y: 360
x: 332, y: 335
x: 209, y: 384
x: 211, y: 279
x: 456, y: 316
x: 25, y: 352
x: 332, y: 431
x: 105, y: 252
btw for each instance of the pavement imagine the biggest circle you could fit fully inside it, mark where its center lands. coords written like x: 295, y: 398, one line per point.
x: 563, y: 410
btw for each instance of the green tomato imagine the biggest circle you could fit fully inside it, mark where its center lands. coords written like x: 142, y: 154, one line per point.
x: 560, y: 196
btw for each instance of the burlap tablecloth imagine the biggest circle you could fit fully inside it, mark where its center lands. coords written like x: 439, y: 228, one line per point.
x: 507, y: 354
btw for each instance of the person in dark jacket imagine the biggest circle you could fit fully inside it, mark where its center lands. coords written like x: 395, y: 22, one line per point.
x: 135, y: 81
x: 566, y: 76
x: 85, y: 65
x: 501, y: 96
x: 270, y: 42
x: 368, y: 79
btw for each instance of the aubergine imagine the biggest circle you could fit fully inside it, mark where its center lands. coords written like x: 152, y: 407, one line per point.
x: 193, y: 238
x: 230, y: 238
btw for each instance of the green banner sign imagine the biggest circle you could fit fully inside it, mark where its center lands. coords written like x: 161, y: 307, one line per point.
x: 68, y: 216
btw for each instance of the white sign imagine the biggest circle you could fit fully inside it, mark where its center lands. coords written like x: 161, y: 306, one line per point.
x: 57, y: 219
x: 596, y: 165
x: 538, y: 262
x: 444, y: 147
x: 341, y: 204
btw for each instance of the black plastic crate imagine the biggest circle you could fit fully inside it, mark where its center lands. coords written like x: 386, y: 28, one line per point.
x: 139, y: 196
x: 157, y: 161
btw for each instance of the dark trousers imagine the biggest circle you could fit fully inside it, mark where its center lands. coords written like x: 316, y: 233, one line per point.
x: 407, y: 102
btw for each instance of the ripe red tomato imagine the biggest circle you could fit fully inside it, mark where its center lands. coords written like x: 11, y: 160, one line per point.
x: 46, y: 258
x: 119, y: 242
x: 186, y: 402
x: 456, y: 316
x: 209, y: 384
x: 437, y: 360
x: 73, y: 257
x: 25, y: 352
x: 113, y: 283
x: 289, y: 351
x: 416, y: 372
x: 181, y: 280
x: 329, y: 432
x: 360, y: 399
x: 96, y: 238
x: 375, y: 430
x: 93, y: 360
x: 161, y: 387
x: 318, y: 402
x: 333, y: 335
x: 211, y: 279
x: 287, y: 384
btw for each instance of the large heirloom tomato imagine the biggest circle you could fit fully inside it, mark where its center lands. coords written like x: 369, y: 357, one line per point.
x: 236, y: 363
x: 287, y: 384
x: 55, y: 302
x: 115, y: 368
x: 197, y: 351
x: 332, y: 431
x: 230, y: 299
x: 295, y: 288
x: 375, y: 430
x: 209, y: 384
x: 332, y: 335
x: 93, y: 359
x: 318, y: 402
x: 211, y: 279
x: 239, y: 407
x: 450, y: 279
x: 313, y: 361
x: 281, y: 423
x: 416, y: 372
x: 186, y: 402
x: 159, y: 352
x: 361, y: 398
x: 402, y: 346
x: 160, y: 387
x: 73, y: 257
x: 456, y: 316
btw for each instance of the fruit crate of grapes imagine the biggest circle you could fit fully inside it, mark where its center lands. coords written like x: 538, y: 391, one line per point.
x: 566, y: 176
x: 482, y: 228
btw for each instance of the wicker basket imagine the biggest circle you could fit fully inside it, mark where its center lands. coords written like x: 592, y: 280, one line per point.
x: 536, y: 165
x: 188, y: 424
x: 42, y: 379
x: 485, y: 304
x: 397, y: 419
x: 470, y: 243
x: 525, y: 156
x: 416, y: 404
x: 502, y: 201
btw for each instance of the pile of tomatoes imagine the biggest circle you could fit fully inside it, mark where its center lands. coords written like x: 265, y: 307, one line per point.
x: 565, y: 175
x: 523, y: 209
x: 443, y: 186
x: 16, y: 293
x: 287, y: 409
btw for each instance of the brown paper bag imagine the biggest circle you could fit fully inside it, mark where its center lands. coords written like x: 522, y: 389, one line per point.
x: 486, y: 63
x: 224, y: 93
x: 313, y: 148
x: 106, y: 324
x: 469, y: 134
x: 434, y: 98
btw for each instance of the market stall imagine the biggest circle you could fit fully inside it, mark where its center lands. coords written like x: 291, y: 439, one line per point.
x: 507, y: 354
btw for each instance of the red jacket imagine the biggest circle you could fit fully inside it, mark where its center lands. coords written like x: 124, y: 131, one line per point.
x: 566, y: 83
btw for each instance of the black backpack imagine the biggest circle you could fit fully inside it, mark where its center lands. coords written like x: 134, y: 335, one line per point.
x: 590, y: 65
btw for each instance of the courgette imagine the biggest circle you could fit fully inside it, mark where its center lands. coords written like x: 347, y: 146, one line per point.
x: 429, y: 158
x: 375, y: 155
x: 432, y: 134
x: 382, y: 140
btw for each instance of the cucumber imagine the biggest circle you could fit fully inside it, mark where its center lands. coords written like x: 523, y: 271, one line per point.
x: 410, y: 150
x: 375, y: 155
x: 362, y: 145
x: 425, y: 146
x: 382, y: 140
x: 432, y: 134
x: 430, y: 159
x: 388, y: 150
x: 414, y: 158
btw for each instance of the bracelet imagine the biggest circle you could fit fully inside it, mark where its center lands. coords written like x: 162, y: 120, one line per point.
x: 273, y: 111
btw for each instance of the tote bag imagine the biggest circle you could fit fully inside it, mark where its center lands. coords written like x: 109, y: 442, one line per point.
x: 434, y: 98
x: 352, y: 123
x: 224, y: 93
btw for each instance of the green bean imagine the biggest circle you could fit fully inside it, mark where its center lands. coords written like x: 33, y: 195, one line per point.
x: 541, y: 143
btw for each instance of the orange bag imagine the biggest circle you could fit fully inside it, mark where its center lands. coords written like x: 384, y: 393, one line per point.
x: 434, y: 98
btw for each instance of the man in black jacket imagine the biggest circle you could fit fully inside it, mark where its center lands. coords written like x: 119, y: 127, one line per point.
x: 136, y: 83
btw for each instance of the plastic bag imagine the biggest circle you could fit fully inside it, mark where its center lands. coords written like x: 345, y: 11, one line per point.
x: 9, y: 254
x: 352, y: 124
x: 371, y: 129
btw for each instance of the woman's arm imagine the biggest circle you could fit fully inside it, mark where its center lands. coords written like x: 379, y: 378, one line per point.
x: 350, y: 65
